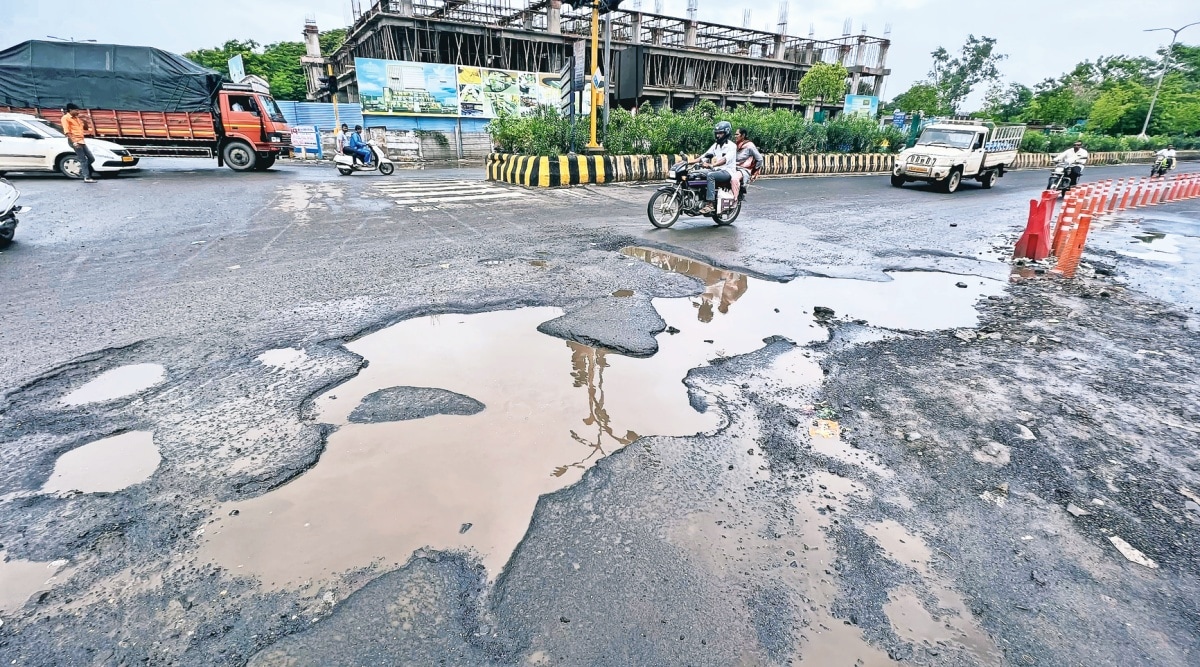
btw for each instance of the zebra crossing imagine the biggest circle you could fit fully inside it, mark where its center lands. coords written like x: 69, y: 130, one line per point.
x: 429, y: 194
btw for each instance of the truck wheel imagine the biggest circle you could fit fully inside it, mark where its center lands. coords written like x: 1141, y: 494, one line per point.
x: 952, y: 181
x: 265, y: 163
x: 69, y: 165
x: 987, y: 180
x: 239, y: 156
x: 897, y: 181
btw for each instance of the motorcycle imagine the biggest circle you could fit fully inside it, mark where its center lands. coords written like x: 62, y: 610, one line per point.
x: 9, y: 211
x: 1161, y: 166
x: 348, y: 164
x: 686, y: 196
x: 1060, y: 178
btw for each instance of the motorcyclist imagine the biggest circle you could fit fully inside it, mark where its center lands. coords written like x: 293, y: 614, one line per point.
x: 749, y: 160
x: 359, y: 148
x: 1167, y: 154
x: 1073, y: 159
x: 721, y: 159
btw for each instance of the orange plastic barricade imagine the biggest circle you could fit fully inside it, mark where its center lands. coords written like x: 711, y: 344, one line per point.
x: 1035, y: 242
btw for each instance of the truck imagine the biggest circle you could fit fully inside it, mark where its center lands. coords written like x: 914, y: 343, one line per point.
x: 946, y: 152
x: 151, y: 102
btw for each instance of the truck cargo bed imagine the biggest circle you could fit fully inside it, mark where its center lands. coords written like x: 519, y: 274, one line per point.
x: 145, y: 133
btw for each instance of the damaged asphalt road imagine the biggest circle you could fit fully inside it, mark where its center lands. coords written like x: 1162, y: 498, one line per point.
x: 322, y: 428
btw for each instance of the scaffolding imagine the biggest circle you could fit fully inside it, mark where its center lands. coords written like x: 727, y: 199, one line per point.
x: 684, y: 59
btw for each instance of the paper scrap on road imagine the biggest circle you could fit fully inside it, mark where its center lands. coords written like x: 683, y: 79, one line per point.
x: 1132, y: 554
x: 825, y: 428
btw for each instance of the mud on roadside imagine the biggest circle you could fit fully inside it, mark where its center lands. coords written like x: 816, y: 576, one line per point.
x: 1068, y: 419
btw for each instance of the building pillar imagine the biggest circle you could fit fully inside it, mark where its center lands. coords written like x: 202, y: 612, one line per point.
x: 635, y: 26
x: 778, y: 53
x: 689, y: 35
x: 406, y: 7
x: 554, y: 17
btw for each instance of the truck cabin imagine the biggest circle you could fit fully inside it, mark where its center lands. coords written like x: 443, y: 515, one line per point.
x: 964, y: 139
x: 253, y: 104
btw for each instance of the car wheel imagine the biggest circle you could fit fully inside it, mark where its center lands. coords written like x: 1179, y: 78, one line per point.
x: 69, y: 165
x: 897, y: 181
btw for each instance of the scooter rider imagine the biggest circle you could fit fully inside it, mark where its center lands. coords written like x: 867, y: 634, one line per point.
x: 1073, y: 158
x: 359, y: 148
x: 1167, y: 154
x: 721, y: 158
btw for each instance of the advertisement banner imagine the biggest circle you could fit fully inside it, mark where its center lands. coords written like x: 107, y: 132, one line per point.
x: 861, y: 105
x: 237, y: 69
x: 404, y: 88
x: 306, y: 137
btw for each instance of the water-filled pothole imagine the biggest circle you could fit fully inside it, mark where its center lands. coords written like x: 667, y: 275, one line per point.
x: 117, y: 383
x: 468, y: 478
x: 106, y: 465
x: 21, y: 579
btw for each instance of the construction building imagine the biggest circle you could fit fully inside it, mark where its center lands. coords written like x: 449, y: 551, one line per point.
x: 664, y: 60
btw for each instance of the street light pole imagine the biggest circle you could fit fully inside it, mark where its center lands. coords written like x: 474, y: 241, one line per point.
x: 1166, y: 63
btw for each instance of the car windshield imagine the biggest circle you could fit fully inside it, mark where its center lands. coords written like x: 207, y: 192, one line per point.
x: 273, y: 110
x: 45, y: 128
x: 952, y: 138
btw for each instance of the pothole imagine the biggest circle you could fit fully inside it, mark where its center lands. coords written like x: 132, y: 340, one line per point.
x: 470, y: 479
x: 21, y: 579
x: 284, y: 358
x: 106, y: 465
x: 910, y: 300
x: 117, y: 383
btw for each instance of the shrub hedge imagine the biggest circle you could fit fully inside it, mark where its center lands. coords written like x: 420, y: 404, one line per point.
x: 650, y: 131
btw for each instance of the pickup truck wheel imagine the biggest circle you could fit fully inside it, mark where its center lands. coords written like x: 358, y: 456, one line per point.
x: 952, y: 181
x: 239, y: 156
x: 897, y: 181
x: 987, y: 180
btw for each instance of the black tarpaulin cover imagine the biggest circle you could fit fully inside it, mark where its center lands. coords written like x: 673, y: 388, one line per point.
x: 48, y: 75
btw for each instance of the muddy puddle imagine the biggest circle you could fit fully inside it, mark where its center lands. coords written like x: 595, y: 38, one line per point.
x: 21, y: 579
x: 909, y: 300
x: 106, y: 465
x: 117, y: 383
x: 469, y: 479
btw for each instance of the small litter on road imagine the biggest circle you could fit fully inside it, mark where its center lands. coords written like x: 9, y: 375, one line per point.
x: 1130, y: 553
x: 1077, y: 511
x: 1024, y: 433
x: 825, y: 428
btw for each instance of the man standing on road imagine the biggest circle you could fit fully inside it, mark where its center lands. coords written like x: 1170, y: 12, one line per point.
x: 74, y: 127
x: 1074, y: 158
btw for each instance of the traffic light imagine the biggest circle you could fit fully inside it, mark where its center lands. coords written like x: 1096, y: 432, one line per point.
x: 330, y: 84
x: 606, y: 6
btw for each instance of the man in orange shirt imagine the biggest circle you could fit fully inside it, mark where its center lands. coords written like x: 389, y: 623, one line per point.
x: 73, y: 127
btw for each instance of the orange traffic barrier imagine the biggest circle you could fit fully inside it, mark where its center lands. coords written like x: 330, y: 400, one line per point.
x: 1068, y: 259
x: 1035, y: 242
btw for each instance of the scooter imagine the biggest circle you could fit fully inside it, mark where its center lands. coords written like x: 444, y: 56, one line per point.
x: 9, y: 211
x: 348, y: 164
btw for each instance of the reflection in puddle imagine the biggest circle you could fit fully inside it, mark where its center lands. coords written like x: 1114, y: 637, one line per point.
x: 553, y: 408
x: 106, y: 465
x: 116, y: 383
x: 911, y: 300
x: 21, y: 579
x: 623, y: 293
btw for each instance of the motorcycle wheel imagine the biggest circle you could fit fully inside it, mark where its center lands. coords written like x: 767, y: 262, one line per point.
x: 386, y: 168
x: 664, y: 209
x: 6, y: 235
x: 345, y: 171
x: 726, y: 218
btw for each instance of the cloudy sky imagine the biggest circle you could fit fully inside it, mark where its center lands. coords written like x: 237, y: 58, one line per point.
x: 1039, y: 43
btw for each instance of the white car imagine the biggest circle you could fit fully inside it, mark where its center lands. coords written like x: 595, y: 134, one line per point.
x: 28, y: 143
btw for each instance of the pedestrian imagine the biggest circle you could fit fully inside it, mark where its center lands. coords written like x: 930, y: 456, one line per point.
x: 74, y: 127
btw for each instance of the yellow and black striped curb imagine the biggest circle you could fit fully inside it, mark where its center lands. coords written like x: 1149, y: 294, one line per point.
x: 545, y: 172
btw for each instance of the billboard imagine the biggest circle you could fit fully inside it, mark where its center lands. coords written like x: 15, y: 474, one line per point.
x: 403, y: 88
x: 861, y: 105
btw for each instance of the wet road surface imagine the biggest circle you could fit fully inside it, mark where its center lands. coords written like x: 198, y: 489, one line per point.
x: 296, y: 418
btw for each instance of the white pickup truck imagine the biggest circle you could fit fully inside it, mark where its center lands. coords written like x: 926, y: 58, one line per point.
x: 947, y: 152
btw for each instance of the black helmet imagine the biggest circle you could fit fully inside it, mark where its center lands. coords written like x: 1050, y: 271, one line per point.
x: 722, y: 131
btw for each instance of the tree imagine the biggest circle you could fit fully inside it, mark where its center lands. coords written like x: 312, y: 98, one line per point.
x: 1116, y: 108
x: 825, y: 82
x: 955, y: 77
x: 1007, y: 104
x: 278, y: 64
x: 920, y: 97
